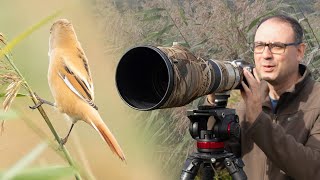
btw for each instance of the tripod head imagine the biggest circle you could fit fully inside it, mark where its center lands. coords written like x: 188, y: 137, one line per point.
x: 225, y: 127
x: 210, y: 140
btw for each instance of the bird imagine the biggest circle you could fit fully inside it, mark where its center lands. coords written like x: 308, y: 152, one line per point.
x: 71, y: 85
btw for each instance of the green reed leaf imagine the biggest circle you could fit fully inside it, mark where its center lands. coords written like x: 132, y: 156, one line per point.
x: 47, y: 173
x: 24, y: 162
x: 7, y: 115
x: 10, y: 45
x: 18, y: 95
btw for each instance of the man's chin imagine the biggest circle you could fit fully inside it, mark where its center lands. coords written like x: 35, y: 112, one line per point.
x: 268, y: 79
x: 271, y: 81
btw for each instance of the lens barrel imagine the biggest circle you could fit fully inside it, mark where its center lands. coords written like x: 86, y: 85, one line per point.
x: 149, y: 77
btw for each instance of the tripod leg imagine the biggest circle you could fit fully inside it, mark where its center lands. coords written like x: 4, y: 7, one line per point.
x: 234, y: 167
x: 207, y: 172
x: 190, y: 168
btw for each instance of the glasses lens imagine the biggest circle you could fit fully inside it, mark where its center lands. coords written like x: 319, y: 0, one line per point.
x: 258, y: 47
x: 277, y: 48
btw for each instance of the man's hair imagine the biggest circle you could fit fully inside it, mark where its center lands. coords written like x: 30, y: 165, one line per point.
x: 295, y: 25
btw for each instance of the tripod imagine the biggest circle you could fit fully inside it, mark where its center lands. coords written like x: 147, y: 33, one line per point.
x: 210, y: 143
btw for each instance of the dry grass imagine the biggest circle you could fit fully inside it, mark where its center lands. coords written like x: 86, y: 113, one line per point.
x: 220, y: 30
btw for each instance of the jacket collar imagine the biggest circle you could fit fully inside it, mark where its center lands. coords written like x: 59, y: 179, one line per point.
x: 292, y: 91
x: 305, y: 73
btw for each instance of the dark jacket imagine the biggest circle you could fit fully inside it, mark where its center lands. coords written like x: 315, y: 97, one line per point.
x: 284, y: 145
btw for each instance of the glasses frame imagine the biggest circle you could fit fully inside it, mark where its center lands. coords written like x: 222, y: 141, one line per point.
x: 272, y: 43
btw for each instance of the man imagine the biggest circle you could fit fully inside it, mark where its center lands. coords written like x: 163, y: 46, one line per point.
x: 279, y: 115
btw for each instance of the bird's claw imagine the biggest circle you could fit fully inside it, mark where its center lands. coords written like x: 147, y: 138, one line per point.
x: 63, y: 141
x: 41, y: 101
x: 36, y: 106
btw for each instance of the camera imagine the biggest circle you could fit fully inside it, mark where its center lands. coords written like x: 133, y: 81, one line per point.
x: 149, y: 77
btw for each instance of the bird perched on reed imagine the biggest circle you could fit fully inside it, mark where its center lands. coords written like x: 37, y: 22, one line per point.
x: 71, y: 84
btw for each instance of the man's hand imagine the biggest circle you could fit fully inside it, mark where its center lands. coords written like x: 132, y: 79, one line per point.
x: 211, y: 98
x: 251, y: 95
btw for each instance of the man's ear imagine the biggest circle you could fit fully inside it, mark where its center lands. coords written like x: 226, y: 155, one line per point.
x: 301, y: 50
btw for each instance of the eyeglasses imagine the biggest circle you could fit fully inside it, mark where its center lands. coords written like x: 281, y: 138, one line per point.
x: 274, y: 47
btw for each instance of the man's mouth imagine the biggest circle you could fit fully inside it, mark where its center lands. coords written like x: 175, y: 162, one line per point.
x: 268, y: 68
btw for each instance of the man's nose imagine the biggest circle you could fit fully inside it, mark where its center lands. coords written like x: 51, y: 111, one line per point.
x: 267, y: 54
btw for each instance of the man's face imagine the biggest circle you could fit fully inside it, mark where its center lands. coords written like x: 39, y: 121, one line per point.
x: 277, y: 68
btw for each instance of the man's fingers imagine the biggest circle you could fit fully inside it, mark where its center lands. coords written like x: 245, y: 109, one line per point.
x: 255, y: 73
x: 252, y: 82
x: 246, y: 89
x: 211, y: 98
x: 247, y: 75
x: 243, y: 95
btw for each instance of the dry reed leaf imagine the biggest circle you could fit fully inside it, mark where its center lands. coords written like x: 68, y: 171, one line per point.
x: 2, y: 127
x: 7, y: 75
x: 2, y: 38
x: 11, y: 93
x: 2, y: 123
x: 3, y: 41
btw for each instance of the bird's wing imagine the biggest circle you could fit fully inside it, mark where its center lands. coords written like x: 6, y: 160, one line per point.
x: 77, y: 77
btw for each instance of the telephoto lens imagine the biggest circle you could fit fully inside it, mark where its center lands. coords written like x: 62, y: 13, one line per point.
x: 149, y: 77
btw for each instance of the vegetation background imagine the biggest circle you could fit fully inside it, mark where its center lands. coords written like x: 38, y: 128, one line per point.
x: 156, y: 143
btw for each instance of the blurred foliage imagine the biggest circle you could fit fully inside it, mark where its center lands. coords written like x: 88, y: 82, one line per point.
x: 23, y: 162
x: 47, y: 173
x: 13, y: 79
x: 221, y: 30
x: 20, y: 171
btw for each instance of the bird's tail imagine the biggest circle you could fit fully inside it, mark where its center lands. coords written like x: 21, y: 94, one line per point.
x: 96, y: 121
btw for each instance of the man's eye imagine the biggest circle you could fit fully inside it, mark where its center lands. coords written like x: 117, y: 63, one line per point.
x: 259, y: 45
x: 277, y: 46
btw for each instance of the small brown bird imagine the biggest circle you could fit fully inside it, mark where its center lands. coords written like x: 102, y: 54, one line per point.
x: 71, y: 84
